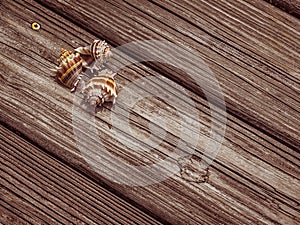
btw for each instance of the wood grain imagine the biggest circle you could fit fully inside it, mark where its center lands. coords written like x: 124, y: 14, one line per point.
x: 257, y: 65
x: 254, y: 179
x: 290, y: 6
x: 38, y: 188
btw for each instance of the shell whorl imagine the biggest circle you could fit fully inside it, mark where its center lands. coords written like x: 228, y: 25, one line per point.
x: 95, y: 55
x: 65, y: 55
x: 69, y: 69
x: 101, y: 88
x: 100, y: 51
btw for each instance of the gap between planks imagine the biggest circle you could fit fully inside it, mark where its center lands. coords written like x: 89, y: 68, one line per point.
x: 37, y: 188
x: 255, y: 68
x: 223, y: 172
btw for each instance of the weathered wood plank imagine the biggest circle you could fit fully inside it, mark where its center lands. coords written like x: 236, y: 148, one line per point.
x: 10, y: 217
x: 290, y: 6
x: 254, y: 175
x: 257, y: 65
x: 38, y: 188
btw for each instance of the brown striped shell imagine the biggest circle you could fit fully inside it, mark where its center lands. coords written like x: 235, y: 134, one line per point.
x: 95, y: 55
x: 69, y: 70
x: 101, y: 88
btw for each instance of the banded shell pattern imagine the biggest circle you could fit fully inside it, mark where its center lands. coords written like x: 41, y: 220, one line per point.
x: 101, y: 88
x: 95, y: 55
x: 69, y: 70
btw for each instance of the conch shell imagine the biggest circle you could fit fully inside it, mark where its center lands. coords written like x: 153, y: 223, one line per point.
x: 101, y: 88
x: 69, y: 70
x: 95, y: 55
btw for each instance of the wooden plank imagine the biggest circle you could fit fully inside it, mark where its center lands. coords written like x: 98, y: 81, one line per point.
x: 248, y: 178
x: 290, y: 6
x: 239, y: 40
x: 38, y: 188
x: 9, y: 217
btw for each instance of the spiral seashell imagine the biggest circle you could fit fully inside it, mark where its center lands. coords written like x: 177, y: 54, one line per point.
x: 69, y: 70
x: 100, y: 51
x: 95, y: 55
x: 101, y: 88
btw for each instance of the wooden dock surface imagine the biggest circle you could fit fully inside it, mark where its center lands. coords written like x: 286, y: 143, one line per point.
x: 290, y: 6
x: 251, y: 47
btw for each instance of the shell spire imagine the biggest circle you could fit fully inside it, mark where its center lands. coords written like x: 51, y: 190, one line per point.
x: 95, y: 55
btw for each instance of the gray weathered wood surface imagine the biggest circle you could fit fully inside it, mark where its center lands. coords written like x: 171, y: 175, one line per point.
x: 37, y: 188
x: 257, y: 49
x: 251, y: 47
